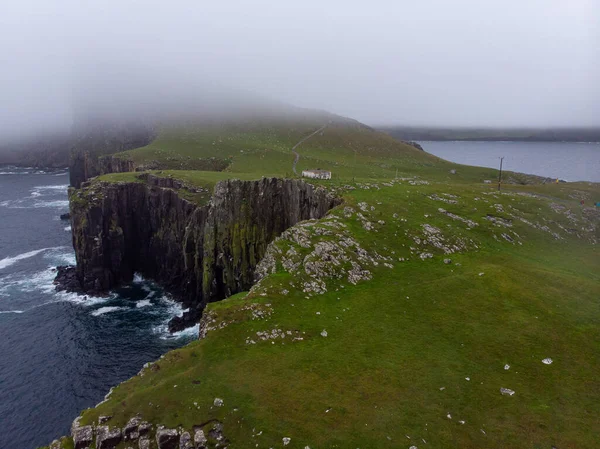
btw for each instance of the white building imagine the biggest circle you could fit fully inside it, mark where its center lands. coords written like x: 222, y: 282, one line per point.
x: 317, y: 174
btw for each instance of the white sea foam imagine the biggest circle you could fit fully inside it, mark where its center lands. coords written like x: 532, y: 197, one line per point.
x: 8, y: 261
x: 68, y: 228
x: 11, y: 311
x: 137, y: 278
x: 104, y: 310
x: 52, y: 187
x: 143, y: 303
x: 54, y: 203
x: 60, y: 256
x: 187, y: 332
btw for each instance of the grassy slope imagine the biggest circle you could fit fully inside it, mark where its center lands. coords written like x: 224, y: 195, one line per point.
x: 395, y: 341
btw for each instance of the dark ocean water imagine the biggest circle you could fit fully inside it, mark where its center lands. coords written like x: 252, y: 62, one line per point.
x: 59, y: 352
x: 564, y: 160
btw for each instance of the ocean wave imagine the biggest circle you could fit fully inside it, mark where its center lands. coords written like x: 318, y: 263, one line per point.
x: 188, y: 332
x: 52, y: 203
x: 59, y: 256
x: 8, y: 261
x: 52, y: 187
x: 104, y: 310
x: 11, y: 311
x: 68, y: 228
x: 137, y: 278
x: 143, y: 303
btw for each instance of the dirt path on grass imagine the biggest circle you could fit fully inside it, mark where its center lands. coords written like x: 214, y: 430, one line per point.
x: 304, y: 139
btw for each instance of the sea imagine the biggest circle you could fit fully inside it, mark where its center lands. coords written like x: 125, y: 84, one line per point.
x: 61, y: 352
x: 564, y: 160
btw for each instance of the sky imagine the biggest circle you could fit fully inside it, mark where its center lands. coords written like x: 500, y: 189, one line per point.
x: 525, y: 63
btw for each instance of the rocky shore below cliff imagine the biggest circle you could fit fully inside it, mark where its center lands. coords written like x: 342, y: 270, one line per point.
x: 66, y: 280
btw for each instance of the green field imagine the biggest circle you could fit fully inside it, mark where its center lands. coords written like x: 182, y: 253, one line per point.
x: 408, y: 349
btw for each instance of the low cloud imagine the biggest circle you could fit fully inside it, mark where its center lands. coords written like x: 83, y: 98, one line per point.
x: 466, y: 63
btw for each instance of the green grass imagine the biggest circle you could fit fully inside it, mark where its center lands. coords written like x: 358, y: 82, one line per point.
x: 394, y: 341
x: 400, y: 346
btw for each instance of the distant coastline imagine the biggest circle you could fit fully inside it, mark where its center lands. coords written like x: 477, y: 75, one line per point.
x: 582, y: 135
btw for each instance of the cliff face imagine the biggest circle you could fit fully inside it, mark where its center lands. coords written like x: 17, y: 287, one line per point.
x: 199, y: 253
x: 85, y: 165
x: 92, y: 148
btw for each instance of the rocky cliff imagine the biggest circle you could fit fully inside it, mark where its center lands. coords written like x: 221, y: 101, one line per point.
x: 199, y: 253
x: 92, y: 149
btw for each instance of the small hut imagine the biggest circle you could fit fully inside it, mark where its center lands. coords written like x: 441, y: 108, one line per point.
x: 316, y: 174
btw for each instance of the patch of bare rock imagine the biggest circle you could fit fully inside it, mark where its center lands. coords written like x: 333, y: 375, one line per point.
x: 141, y: 434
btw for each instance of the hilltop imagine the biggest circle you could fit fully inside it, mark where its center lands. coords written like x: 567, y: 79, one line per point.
x: 421, y: 308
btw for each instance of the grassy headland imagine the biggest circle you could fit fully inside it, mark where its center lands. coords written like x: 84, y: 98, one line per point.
x: 460, y: 291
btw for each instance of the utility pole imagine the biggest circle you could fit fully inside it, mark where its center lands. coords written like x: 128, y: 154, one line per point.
x: 500, y: 174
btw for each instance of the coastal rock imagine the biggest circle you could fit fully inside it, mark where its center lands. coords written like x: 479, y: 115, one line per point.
x: 200, y: 439
x: 66, y: 216
x: 167, y: 439
x: 144, y: 443
x: 66, y: 279
x: 83, y: 436
x: 130, y: 431
x: 185, y: 441
x: 189, y: 318
x: 144, y: 428
x: 107, y: 438
x: 199, y: 253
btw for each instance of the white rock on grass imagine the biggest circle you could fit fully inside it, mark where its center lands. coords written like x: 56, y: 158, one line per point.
x: 323, y: 333
x: 507, y: 367
x: 286, y: 441
x: 547, y: 361
x: 507, y: 391
x: 218, y: 402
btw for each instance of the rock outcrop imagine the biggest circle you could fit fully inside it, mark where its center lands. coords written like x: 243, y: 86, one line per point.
x: 85, y: 165
x: 94, y: 145
x: 199, y: 253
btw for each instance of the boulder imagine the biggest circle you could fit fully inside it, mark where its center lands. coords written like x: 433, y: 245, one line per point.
x: 185, y: 441
x: 130, y: 431
x: 107, y: 438
x: 167, y: 439
x: 83, y: 436
x: 200, y: 439
x: 216, y: 433
x: 144, y: 443
x: 101, y: 419
x: 144, y: 428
